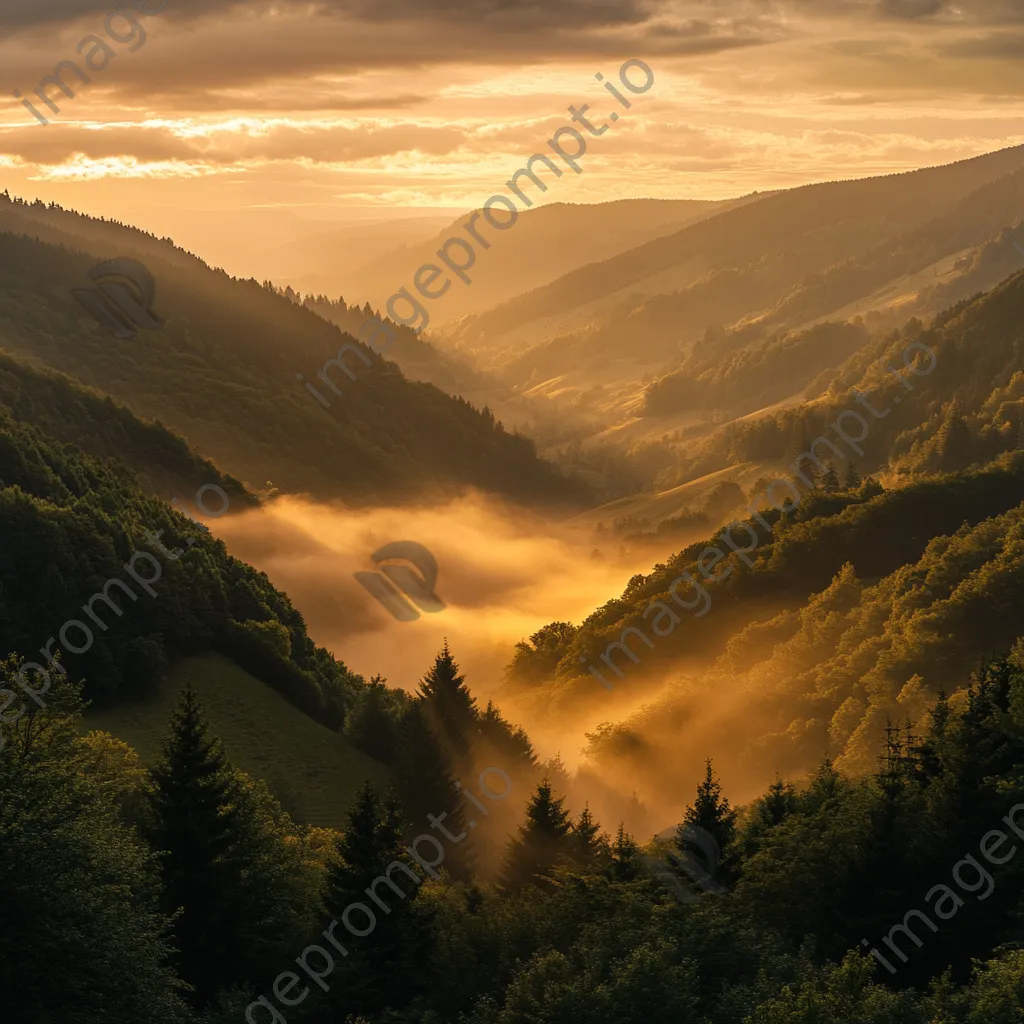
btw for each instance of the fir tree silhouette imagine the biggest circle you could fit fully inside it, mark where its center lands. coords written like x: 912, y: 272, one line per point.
x: 542, y: 844
x: 587, y: 846
x: 197, y: 827
x: 626, y: 860
x: 387, y: 966
x: 423, y: 774
x: 451, y: 709
x: 710, y: 814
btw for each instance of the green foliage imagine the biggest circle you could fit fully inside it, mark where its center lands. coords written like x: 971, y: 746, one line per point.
x: 813, y: 869
x: 544, y: 841
x: 313, y: 771
x: 450, y: 708
x: 235, y: 887
x: 72, y: 520
x: 712, y: 814
x: 82, y: 937
x: 388, y: 966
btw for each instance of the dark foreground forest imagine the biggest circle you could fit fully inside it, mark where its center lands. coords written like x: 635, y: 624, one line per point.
x: 185, y: 893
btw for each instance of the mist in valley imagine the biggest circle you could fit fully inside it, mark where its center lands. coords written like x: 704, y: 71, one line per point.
x: 504, y: 572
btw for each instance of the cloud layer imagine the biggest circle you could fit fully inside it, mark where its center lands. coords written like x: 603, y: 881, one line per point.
x: 435, y: 102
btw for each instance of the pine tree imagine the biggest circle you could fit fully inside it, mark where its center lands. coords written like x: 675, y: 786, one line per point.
x: 852, y: 480
x: 508, y: 745
x: 830, y: 480
x: 778, y: 803
x: 423, y: 775
x: 373, y: 724
x: 766, y: 813
x: 204, y: 845
x: 386, y: 967
x: 78, y: 886
x: 710, y: 815
x: 588, y: 846
x: 626, y: 863
x: 542, y: 844
x: 451, y: 708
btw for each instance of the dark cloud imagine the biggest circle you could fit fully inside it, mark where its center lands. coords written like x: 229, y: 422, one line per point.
x: 515, y: 15
x: 1001, y: 45
x: 911, y: 8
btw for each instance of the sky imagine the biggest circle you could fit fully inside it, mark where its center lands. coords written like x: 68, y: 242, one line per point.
x: 315, y: 112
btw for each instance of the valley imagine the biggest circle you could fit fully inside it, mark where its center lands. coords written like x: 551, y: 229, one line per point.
x: 616, y: 619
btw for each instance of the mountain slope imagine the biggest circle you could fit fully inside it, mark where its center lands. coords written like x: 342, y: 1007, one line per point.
x: 222, y: 372
x: 314, y: 771
x: 548, y: 241
x: 940, y: 546
x: 74, y: 526
x: 746, y: 258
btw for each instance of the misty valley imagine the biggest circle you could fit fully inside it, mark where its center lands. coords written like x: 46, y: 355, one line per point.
x: 471, y: 555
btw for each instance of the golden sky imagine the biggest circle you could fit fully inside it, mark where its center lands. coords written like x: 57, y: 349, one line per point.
x: 321, y: 107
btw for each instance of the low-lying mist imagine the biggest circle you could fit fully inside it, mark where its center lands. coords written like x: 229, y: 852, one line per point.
x: 502, y: 574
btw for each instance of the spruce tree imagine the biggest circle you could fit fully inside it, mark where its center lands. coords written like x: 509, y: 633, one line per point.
x: 778, y: 803
x: 451, y: 709
x: 426, y: 785
x: 230, y: 874
x: 852, y: 480
x: 712, y: 815
x: 626, y: 862
x: 506, y: 744
x: 830, y: 480
x: 78, y: 886
x: 388, y: 966
x: 766, y: 813
x: 588, y: 846
x: 542, y: 844
x: 373, y: 723
x: 196, y: 830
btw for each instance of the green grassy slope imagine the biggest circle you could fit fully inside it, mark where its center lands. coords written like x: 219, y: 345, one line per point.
x: 314, y: 772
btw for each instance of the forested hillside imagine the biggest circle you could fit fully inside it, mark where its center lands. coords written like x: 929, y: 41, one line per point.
x: 73, y: 520
x: 744, y: 260
x: 644, y: 354
x: 814, y: 902
x: 222, y: 372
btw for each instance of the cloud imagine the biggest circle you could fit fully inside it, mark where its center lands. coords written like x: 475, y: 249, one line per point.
x: 1002, y: 46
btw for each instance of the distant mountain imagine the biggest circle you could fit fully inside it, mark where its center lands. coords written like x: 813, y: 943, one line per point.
x: 547, y: 242
x: 747, y: 280
x: 222, y: 372
x: 329, y: 262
